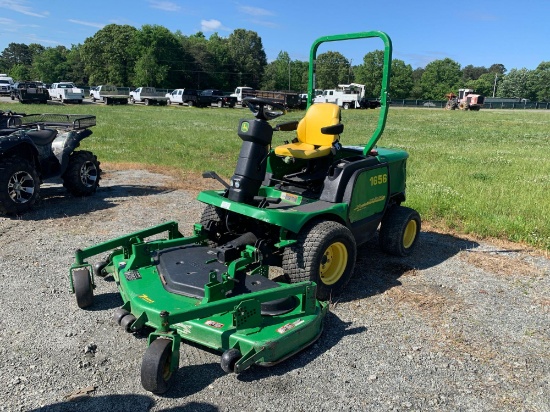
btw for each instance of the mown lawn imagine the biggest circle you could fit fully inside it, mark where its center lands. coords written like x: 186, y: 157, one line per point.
x: 485, y: 173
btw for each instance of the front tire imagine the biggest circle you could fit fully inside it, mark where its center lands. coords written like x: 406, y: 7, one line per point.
x: 325, y: 253
x: 19, y: 185
x: 83, y: 174
x: 83, y: 289
x: 156, y: 373
x: 213, y: 218
x: 399, y: 231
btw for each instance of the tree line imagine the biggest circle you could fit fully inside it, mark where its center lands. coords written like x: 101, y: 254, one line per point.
x: 153, y: 56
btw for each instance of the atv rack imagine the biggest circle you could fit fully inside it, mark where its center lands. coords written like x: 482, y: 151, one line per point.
x: 74, y: 121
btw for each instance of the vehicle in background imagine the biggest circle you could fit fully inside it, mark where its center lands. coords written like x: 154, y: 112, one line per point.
x: 369, y: 103
x: 291, y: 100
x: 466, y: 100
x: 30, y: 92
x: 66, y: 92
x: 108, y: 94
x: 183, y: 96
x: 147, y: 96
x: 6, y: 84
x: 216, y: 97
x: 347, y: 96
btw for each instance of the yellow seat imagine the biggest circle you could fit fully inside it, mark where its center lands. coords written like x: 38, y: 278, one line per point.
x: 311, y: 142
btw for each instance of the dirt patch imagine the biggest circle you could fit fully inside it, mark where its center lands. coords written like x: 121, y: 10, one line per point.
x: 193, y: 182
x: 501, y: 265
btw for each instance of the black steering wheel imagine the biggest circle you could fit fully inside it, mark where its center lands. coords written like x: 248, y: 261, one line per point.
x: 264, y: 109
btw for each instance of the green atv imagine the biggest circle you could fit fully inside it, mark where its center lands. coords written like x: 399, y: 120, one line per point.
x: 303, y: 207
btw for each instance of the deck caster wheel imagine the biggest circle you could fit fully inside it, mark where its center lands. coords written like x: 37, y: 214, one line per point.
x: 82, y: 283
x: 229, y: 359
x: 118, y: 314
x: 126, y: 322
x: 98, y: 268
x: 156, y: 373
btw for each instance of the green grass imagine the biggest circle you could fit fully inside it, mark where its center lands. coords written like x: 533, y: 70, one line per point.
x: 484, y: 173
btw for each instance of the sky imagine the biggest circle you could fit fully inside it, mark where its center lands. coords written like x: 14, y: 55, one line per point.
x: 509, y: 32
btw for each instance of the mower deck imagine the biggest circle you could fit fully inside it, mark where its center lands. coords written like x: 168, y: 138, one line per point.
x: 177, y: 287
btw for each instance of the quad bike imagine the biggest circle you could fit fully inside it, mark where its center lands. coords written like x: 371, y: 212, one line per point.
x: 41, y: 146
x: 303, y: 206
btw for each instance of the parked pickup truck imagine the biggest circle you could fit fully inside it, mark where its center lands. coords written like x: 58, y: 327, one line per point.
x: 209, y: 97
x: 148, y: 96
x: 66, y: 92
x: 6, y: 84
x: 181, y: 96
x: 108, y: 94
x: 290, y: 100
x: 28, y: 92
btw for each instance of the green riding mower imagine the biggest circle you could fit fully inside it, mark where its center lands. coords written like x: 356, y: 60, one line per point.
x: 303, y: 207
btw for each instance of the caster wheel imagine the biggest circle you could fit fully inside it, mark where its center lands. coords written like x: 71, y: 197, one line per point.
x: 98, y: 268
x: 83, y: 290
x: 126, y: 322
x: 156, y: 374
x: 118, y: 314
x: 229, y: 359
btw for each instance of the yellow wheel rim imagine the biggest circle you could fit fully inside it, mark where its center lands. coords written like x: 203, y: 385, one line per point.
x: 333, y: 263
x: 410, y: 234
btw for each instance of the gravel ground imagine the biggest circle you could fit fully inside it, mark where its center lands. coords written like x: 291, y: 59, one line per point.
x: 459, y: 326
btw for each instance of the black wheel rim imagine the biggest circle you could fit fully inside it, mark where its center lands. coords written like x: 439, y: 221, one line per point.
x: 21, y: 187
x: 88, y: 174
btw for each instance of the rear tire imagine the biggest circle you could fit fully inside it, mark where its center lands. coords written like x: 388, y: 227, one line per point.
x: 399, y: 231
x: 19, y: 185
x: 325, y: 253
x: 156, y: 375
x: 83, y: 174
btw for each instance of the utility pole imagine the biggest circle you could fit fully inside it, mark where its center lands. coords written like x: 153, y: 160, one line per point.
x: 495, y: 85
x: 288, y: 73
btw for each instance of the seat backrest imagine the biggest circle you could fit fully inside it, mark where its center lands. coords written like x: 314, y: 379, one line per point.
x: 319, y: 115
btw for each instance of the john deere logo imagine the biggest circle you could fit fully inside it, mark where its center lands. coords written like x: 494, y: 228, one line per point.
x: 244, y: 127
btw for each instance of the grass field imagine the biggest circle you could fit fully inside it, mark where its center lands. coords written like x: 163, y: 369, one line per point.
x: 484, y: 173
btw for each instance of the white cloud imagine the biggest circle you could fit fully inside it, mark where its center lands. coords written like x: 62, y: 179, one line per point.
x: 255, y: 11
x: 264, y: 23
x: 33, y: 38
x: 164, y: 5
x: 212, y: 25
x: 87, y: 23
x: 20, y: 6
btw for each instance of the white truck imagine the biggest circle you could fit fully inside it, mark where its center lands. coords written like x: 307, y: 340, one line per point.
x: 66, y: 92
x: 148, y: 96
x: 241, y: 92
x: 6, y: 84
x: 347, y: 96
x: 183, y: 96
x: 108, y: 94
